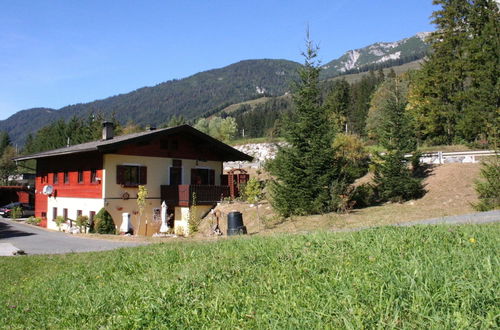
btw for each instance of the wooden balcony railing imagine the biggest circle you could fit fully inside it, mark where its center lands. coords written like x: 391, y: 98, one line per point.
x: 182, y: 195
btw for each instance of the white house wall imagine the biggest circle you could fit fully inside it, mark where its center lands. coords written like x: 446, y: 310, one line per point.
x: 86, y: 205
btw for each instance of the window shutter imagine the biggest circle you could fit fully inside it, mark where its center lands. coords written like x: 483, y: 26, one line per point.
x: 143, y: 175
x: 120, y: 174
x: 211, y: 175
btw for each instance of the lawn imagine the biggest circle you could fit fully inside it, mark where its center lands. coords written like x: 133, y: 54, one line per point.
x: 417, y: 277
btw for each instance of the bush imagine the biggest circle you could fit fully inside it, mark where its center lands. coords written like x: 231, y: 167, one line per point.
x: 33, y: 221
x: 59, y: 220
x: 16, y: 213
x: 351, y: 155
x: 103, y: 223
x: 253, y: 191
x: 488, y: 188
x: 82, y: 221
x: 364, y: 195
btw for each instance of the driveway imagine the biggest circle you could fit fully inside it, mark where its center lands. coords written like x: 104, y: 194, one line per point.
x: 35, y: 240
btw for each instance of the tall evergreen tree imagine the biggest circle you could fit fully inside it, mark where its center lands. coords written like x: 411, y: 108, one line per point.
x: 395, y: 180
x: 337, y: 104
x: 481, y: 113
x: 455, y: 95
x: 4, y: 141
x: 361, y: 93
x: 304, y: 169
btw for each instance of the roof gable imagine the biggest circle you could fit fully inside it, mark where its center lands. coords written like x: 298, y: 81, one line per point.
x: 224, y: 151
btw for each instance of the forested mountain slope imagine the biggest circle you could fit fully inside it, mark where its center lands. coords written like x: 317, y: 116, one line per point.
x: 191, y: 97
x: 207, y: 92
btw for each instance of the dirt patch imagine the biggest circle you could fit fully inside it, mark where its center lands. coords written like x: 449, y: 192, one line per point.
x: 450, y: 191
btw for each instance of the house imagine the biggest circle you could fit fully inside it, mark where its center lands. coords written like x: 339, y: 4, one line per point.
x: 180, y: 165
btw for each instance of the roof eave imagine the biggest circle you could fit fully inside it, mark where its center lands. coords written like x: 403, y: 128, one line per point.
x: 45, y: 155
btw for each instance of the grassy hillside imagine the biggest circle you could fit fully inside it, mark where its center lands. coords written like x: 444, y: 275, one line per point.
x: 419, y: 277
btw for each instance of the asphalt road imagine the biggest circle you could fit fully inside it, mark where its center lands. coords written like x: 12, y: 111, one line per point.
x: 472, y: 218
x: 35, y: 240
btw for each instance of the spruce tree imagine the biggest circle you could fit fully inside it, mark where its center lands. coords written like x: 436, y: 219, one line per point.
x: 456, y: 93
x: 304, y: 168
x: 337, y: 104
x: 394, y: 179
x: 4, y: 141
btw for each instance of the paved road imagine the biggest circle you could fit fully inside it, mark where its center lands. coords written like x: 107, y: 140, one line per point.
x: 35, y: 240
x: 472, y: 218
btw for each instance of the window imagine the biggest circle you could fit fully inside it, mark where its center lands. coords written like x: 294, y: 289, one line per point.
x: 131, y: 176
x: 66, y: 177
x: 202, y: 176
x: 78, y: 213
x: 54, y: 213
x: 80, y: 176
x: 93, y: 176
x: 65, y: 214
x: 55, y: 178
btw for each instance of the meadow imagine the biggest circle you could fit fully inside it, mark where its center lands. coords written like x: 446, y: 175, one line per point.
x: 388, y: 277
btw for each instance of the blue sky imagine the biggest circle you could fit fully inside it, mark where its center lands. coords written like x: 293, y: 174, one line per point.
x: 55, y: 53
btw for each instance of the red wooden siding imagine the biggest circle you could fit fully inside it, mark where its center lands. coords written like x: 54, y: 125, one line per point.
x: 46, y: 167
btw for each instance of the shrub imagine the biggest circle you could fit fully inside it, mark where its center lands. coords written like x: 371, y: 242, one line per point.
x: 103, y: 223
x: 488, y: 188
x: 351, y: 155
x: 253, y: 191
x: 33, y: 221
x: 59, y: 220
x: 363, y: 195
x: 82, y: 221
x: 16, y: 212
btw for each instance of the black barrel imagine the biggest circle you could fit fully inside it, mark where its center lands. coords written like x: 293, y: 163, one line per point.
x: 235, y: 224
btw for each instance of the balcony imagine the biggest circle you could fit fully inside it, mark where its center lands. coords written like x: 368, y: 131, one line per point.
x: 182, y: 195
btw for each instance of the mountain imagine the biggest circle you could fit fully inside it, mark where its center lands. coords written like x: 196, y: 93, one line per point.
x: 210, y: 91
x: 191, y: 97
x: 380, y: 54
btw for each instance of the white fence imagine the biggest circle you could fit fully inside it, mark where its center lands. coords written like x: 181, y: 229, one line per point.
x: 426, y: 158
x: 454, y: 157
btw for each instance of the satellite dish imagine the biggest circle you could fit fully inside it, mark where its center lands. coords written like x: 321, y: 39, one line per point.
x: 48, y: 190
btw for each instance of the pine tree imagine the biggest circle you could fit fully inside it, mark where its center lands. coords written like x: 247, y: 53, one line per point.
x: 455, y: 96
x: 304, y: 169
x: 481, y: 113
x: 4, y: 141
x: 488, y: 188
x: 337, y: 105
x: 361, y: 93
x: 394, y: 179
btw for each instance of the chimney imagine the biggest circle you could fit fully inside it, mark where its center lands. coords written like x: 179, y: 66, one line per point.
x: 107, y: 130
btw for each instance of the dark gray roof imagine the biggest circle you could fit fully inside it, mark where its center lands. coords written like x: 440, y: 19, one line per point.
x: 101, y: 145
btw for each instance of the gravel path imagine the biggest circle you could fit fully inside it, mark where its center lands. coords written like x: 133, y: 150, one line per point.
x: 35, y: 240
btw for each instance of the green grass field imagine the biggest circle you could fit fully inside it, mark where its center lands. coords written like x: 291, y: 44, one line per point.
x: 418, y: 277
